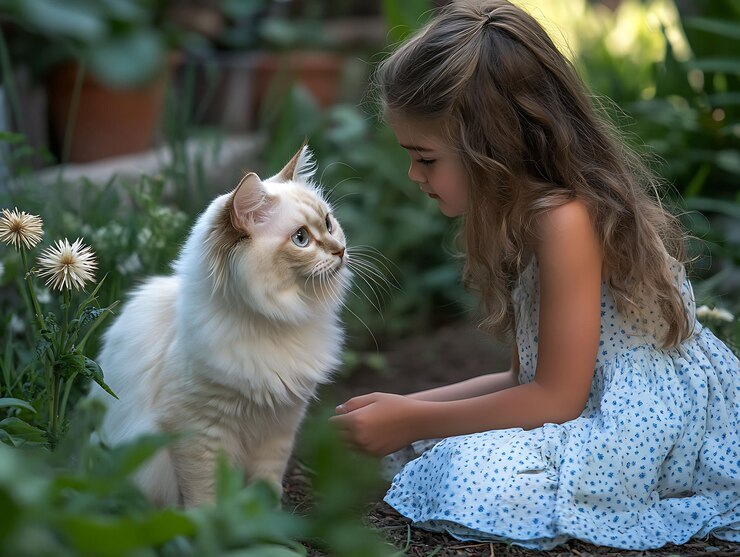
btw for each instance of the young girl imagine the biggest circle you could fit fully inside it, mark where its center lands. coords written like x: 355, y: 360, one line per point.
x: 618, y: 422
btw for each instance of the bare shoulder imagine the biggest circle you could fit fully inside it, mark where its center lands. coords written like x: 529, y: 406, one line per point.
x: 570, y: 218
x: 567, y: 232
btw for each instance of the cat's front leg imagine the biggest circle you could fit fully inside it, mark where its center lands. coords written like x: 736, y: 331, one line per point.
x: 195, y: 466
x: 268, y: 458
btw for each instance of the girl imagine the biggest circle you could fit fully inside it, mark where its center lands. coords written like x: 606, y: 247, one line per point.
x: 618, y: 422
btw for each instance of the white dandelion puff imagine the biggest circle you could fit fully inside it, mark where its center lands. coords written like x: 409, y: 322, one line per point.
x: 18, y: 227
x: 720, y: 314
x: 67, y: 266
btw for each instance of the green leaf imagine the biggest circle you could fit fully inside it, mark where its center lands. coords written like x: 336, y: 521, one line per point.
x: 725, y: 28
x: 92, y: 370
x: 241, y: 8
x: 16, y: 403
x: 105, y: 312
x: 109, y: 536
x: 10, y: 137
x: 23, y: 432
x: 718, y: 65
x: 729, y: 98
x: 67, y: 19
x: 90, y: 314
x: 128, y: 61
x: 265, y: 551
x: 42, y: 346
x: 127, y: 457
x: 71, y: 363
x: 11, y: 514
x: 709, y: 205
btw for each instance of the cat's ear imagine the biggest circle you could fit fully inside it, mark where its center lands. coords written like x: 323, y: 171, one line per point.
x: 250, y: 203
x: 301, y: 167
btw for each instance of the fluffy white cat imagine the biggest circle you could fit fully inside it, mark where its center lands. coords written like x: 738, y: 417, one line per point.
x: 232, y: 346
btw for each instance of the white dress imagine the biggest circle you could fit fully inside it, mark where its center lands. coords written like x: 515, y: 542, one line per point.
x: 653, y: 459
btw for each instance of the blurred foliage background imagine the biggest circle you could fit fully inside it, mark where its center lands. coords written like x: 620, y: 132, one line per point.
x: 277, y: 73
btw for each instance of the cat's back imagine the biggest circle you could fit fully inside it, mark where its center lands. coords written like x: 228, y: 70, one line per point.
x: 135, y: 347
x: 147, y: 320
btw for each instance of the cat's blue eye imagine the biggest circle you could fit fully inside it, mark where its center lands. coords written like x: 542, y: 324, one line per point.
x: 328, y: 223
x: 300, y: 237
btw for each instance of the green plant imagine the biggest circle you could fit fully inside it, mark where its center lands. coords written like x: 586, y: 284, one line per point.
x: 122, y: 42
x: 80, y: 501
x: 60, y: 344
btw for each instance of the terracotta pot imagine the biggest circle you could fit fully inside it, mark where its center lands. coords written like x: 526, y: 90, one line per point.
x: 319, y: 72
x: 110, y: 121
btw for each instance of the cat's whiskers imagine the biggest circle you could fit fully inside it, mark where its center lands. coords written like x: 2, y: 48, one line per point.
x: 364, y: 268
x: 358, y: 271
x: 377, y: 299
x: 337, y: 203
x: 331, y: 191
x: 358, y: 250
x: 327, y: 167
x: 345, y: 306
x: 368, y: 270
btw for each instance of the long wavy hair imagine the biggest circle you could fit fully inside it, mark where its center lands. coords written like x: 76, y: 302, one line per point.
x: 530, y: 139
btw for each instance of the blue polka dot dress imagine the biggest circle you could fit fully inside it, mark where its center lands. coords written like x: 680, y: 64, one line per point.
x: 653, y: 459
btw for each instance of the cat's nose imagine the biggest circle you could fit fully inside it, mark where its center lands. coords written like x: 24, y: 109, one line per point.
x: 339, y: 252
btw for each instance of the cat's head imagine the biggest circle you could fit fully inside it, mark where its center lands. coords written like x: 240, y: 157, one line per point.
x: 276, y: 244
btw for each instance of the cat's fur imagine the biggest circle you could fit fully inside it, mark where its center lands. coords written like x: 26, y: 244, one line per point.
x: 232, y: 346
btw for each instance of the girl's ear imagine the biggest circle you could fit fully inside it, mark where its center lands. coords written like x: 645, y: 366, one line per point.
x: 250, y: 203
x: 301, y: 167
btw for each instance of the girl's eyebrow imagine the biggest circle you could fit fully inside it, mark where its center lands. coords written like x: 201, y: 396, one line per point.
x: 415, y: 147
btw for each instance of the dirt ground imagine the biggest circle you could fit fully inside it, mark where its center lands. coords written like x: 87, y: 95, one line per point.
x: 454, y: 353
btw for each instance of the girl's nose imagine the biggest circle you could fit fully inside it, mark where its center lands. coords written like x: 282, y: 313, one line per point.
x: 415, y: 174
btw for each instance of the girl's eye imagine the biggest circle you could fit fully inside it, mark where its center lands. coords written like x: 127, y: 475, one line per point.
x: 328, y: 223
x: 300, y: 237
x: 426, y: 162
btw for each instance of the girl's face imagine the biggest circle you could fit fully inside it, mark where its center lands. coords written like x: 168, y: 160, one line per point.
x: 435, y: 167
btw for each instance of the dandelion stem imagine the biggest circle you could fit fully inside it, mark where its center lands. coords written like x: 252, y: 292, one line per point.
x: 53, y: 422
x: 65, y: 318
x: 57, y: 410
x: 32, y: 293
x: 47, y: 360
x: 67, y: 389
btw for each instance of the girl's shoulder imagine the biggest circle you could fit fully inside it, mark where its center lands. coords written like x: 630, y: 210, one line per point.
x: 565, y: 231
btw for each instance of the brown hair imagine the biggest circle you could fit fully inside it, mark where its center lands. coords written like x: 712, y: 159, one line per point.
x: 521, y: 119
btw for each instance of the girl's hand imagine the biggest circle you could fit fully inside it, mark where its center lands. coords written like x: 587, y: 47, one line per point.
x: 378, y: 423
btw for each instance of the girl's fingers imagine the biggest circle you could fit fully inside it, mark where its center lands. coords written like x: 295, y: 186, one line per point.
x: 356, y: 402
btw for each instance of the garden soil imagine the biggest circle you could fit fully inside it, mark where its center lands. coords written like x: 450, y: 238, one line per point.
x: 452, y: 353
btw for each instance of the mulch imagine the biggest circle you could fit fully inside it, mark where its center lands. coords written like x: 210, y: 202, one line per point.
x: 450, y: 354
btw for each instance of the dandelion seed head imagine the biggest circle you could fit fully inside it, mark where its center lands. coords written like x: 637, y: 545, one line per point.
x: 719, y: 314
x: 18, y: 227
x: 67, y: 265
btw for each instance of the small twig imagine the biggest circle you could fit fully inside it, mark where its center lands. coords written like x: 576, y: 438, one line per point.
x: 467, y: 545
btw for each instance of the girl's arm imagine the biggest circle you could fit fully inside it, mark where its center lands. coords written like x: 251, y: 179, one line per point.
x: 570, y: 263
x: 476, y: 386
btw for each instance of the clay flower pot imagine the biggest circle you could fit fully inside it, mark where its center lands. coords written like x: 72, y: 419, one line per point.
x: 318, y: 72
x: 109, y: 121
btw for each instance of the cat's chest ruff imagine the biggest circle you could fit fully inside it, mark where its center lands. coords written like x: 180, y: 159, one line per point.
x: 268, y: 369
x: 222, y: 402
